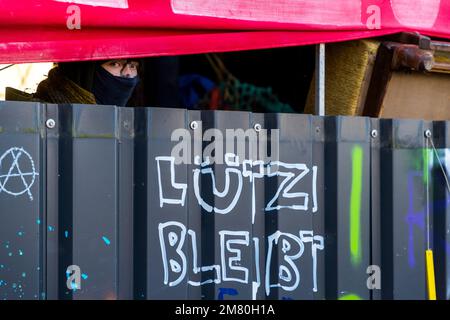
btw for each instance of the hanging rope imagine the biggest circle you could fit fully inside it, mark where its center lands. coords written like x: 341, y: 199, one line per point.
x: 431, y: 281
x: 428, y: 194
x: 440, y: 163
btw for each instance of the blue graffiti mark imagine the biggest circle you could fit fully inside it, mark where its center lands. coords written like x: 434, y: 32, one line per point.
x: 66, y: 234
x: 50, y: 228
x: 38, y: 221
x: 106, y: 240
x: 226, y: 291
x: 10, y: 254
x: 24, y: 274
x: 20, y: 253
x: 413, y: 218
x: 20, y: 233
x: 84, y: 276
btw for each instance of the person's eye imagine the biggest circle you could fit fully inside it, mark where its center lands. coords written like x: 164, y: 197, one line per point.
x: 115, y: 64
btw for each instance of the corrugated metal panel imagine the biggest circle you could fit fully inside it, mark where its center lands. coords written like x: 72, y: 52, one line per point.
x: 22, y: 192
x: 101, y: 190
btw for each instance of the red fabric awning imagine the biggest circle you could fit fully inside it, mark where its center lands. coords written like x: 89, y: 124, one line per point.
x: 32, y: 31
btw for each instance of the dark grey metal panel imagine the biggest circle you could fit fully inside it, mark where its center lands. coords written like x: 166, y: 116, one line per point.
x: 386, y: 207
x: 354, y: 206
x: 375, y: 204
x: 125, y: 190
x: 21, y: 201
x: 441, y: 209
x: 196, y: 221
x: 98, y: 195
x: 55, y: 176
x: 319, y: 160
x: 226, y: 201
x: 410, y: 171
x: 331, y: 220
x: 261, y: 222
x: 291, y: 203
x: 348, y: 217
x: 403, y: 223
x: 140, y: 204
x: 166, y: 235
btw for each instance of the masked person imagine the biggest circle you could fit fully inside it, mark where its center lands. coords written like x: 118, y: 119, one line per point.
x: 115, y: 81
x: 109, y: 82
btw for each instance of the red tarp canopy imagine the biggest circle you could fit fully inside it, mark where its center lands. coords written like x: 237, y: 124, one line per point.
x: 48, y: 30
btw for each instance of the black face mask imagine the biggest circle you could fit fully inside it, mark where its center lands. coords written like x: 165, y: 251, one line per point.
x: 112, y: 90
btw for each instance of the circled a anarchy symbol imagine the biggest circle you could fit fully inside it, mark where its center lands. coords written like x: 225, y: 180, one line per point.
x: 11, y: 174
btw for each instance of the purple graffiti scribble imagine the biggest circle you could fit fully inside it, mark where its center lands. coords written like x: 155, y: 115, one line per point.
x: 413, y: 218
x: 418, y: 217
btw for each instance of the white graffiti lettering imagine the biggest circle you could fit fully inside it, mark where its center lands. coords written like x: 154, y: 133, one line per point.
x: 177, y: 186
x: 17, y: 172
x: 235, y: 174
x: 237, y: 259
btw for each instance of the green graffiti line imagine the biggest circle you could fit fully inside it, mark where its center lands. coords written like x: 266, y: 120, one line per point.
x: 421, y: 160
x: 355, y: 205
x: 425, y: 157
x: 350, y: 297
